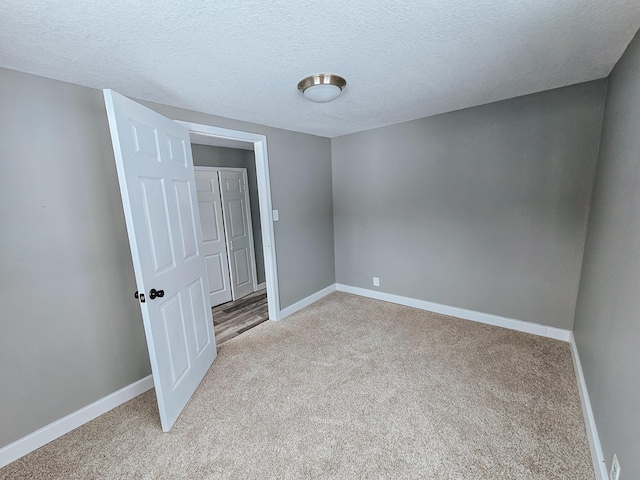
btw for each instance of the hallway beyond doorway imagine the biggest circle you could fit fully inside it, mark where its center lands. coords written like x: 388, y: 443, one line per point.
x: 233, y: 318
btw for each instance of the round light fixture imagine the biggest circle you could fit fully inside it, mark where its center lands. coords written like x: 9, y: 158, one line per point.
x: 322, y: 87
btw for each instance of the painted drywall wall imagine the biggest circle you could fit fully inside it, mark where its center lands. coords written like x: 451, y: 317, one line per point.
x: 210, y: 156
x: 71, y: 330
x: 483, y: 209
x: 607, y: 324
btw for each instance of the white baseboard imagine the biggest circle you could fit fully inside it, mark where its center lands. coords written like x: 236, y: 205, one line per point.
x: 261, y: 286
x: 305, y: 302
x: 519, y: 325
x: 46, y: 434
x: 597, y: 457
x: 599, y: 464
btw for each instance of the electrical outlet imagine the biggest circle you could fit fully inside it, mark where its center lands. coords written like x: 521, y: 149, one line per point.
x: 276, y: 217
x: 614, y: 474
x: 376, y: 282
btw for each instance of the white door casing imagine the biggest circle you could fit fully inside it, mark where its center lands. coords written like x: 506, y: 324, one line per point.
x: 157, y: 184
x: 214, y: 245
x: 259, y: 142
x: 239, y: 233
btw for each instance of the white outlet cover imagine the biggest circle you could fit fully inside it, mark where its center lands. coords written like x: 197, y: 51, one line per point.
x: 614, y: 474
x: 376, y: 282
x: 275, y: 216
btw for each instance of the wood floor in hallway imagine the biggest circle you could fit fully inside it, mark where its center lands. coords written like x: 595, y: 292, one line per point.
x: 233, y: 318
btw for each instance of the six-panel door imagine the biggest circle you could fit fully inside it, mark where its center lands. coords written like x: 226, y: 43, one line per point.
x: 155, y: 171
x: 214, y: 245
x: 239, y: 235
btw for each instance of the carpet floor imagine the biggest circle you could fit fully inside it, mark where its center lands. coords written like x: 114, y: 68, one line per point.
x: 351, y: 388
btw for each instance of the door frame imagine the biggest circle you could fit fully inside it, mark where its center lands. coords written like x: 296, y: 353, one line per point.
x: 264, y: 199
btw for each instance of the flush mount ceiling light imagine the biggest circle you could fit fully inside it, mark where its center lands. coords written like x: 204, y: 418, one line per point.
x: 322, y: 87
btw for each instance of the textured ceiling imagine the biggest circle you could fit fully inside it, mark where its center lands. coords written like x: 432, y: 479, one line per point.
x: 243, y: 59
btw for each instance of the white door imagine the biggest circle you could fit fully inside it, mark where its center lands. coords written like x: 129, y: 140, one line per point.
x: 155, y: 171
x: 237, y: 224
x: 214, y: 245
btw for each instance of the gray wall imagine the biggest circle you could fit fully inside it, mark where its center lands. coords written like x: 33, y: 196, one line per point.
x: 71, y: 330
x: 607, y: 324
x: 210, y: 156
x: 484, y: 208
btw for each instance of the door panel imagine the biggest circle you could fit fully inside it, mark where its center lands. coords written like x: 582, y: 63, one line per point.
x: 216, y: 272
x: 213, y: 246
x: 155, y: 171
x: 156, y: 217
x: 144, y: 140
x: 187, y: 219
x: 242, y: 267
x: 232, y: 184
x: 177, y: 150
x: 211, y: 227
x: 201, y: 316
x: 237, y: 219
x: 237, y: 222
x: 174, y: 335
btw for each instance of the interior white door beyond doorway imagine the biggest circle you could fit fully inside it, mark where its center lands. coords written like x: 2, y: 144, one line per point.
x: 214, y: 246
x: 239, y: 233
x: 264, y: 195
x: 225, y: 212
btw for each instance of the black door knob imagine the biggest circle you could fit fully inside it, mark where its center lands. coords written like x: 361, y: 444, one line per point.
x: 153, y: 293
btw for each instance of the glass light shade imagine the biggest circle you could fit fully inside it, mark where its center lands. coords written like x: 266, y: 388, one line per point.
x: 322, y: 93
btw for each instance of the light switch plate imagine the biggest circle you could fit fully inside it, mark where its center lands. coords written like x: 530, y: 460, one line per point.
x: 275, y: 215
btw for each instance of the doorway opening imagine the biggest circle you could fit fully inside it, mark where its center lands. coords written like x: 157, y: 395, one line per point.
x: 227, y: 195
x: 247, y: 308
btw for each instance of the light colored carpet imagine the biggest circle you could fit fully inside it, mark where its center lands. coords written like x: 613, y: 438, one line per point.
x: 350, y: 388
